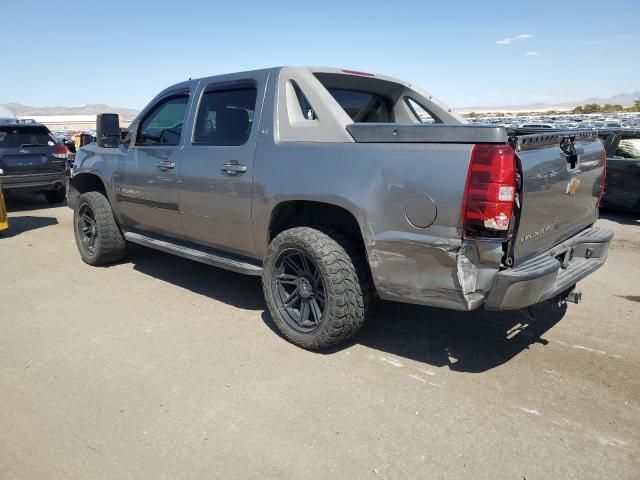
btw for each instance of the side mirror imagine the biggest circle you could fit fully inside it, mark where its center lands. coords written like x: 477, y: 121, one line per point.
x: 108, y: 130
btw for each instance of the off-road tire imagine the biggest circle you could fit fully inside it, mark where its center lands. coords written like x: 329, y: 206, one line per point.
x: 56, y: 196
x: 110, y: 245
x: 344, y: 311
x: 359, y: 262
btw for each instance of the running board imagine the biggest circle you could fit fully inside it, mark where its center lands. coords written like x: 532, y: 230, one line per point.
x: 217, y: 259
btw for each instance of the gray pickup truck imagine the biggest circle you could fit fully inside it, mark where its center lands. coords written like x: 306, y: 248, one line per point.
x: 339, y: 186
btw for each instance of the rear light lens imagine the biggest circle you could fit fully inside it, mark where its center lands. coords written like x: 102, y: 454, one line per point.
x: 603, y: 177
x: 60, y: 151
x: 490, y: 193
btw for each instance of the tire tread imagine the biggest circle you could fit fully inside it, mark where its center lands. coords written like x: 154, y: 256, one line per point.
x: 347, y: 305
x: 111, y: 246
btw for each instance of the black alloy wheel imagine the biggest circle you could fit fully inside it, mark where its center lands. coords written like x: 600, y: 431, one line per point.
x: 299, y: 290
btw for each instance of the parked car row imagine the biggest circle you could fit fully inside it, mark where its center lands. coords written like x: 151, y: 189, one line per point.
x: 626, y: 120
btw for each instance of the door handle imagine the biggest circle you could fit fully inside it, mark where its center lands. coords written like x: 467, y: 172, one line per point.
x: 165, y: 165
x: 234, y: 168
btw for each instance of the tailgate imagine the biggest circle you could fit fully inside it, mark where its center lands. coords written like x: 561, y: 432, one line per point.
x: 560, y: 185
x: 28, y: 149
x: 30, y: 160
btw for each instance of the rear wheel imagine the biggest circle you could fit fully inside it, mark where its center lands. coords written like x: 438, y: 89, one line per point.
x: 56, y: 196
x: 312, y: 288
x: 97, y: 234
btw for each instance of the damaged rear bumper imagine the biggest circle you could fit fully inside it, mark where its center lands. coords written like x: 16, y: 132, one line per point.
x: 550, y: 273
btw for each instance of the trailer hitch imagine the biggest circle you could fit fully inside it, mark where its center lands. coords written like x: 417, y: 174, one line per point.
x: 569, y: 295
x: 574, y: 296
x: 568, y: 147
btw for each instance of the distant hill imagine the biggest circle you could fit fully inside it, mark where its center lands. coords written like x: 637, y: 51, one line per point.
x: 92, y: 109
x: 624, y: 99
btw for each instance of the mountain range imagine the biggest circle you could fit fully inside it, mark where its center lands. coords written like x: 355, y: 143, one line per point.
x: 21, y: 110
x: 624, y: 99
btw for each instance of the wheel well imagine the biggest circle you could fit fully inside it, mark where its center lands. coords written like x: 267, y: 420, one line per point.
x: 86, y: 182
x: 300, y: 213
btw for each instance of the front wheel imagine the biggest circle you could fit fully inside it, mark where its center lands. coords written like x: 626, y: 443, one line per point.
x: 312, y: 288
x: 98, y: 236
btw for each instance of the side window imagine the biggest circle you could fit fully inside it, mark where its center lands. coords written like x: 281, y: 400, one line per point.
x: 629, y: 148
x: 163, y: 124
x: 225, y: 117
x: 421, y: 113
x: 305, y: 107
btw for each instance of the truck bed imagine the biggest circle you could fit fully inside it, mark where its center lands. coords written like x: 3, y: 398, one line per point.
x: 560, y: 175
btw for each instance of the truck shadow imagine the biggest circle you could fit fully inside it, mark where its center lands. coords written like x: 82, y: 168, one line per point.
x: 24, y: 202
x: 18, y: 225
x: 463, y: 341
x: 620, y: 217
x: 228, y: 287
x: 471, y: 342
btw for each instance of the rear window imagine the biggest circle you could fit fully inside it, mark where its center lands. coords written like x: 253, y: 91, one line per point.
x: 363, y: 107
x: 18, y: 136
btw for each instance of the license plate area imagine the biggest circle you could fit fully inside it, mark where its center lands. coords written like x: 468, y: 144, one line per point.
x: 564, y: 257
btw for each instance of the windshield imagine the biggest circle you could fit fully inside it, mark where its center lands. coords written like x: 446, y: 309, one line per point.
x: 21, y: 136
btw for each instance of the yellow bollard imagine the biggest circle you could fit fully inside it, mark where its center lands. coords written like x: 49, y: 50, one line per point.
x: 4, y: 221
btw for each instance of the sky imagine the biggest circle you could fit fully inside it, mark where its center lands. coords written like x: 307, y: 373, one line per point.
x: 466, y: 53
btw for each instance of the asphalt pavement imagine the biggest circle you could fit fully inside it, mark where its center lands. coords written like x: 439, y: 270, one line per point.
x: 163, y: 368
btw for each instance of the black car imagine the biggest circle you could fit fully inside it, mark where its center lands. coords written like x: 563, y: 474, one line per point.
x: 622, y: 186
x: 32, y: 159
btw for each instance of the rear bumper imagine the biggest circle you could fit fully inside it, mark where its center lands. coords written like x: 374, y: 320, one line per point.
x: 42, y: 181
x: 550, y: 273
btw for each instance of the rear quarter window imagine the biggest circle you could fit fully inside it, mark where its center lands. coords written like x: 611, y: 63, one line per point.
x: 422, y: 114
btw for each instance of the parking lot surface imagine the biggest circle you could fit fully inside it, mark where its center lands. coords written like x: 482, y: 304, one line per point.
x: 163, y: 368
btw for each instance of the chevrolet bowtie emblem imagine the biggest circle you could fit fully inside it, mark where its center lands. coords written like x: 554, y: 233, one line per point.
x: 572, y: 186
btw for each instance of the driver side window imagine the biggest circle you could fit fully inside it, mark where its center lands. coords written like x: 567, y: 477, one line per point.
x: 163, y: 124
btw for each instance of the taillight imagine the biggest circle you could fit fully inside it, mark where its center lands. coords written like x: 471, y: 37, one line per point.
x: 60, y: 151
x: 490, y: 193
x: 603, y: 177
x: 355, y: 72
